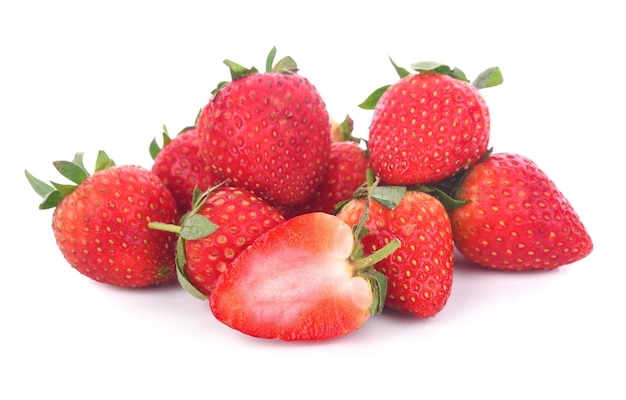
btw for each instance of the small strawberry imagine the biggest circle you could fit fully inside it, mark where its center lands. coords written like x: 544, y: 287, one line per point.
x: 420, y: 272
x: 428, y: 125
x: 223, y: 221
x: 267, y: 132
x: 181, y: 167
x: 516, y: 218
x: 347, y: 166
x: 100, y: 222
x: 304, y: 279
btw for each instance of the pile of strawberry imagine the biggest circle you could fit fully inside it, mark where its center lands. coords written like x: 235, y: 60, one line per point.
x: 291, y: 228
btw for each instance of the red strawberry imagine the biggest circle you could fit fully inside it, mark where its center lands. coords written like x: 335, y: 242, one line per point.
x: 301, y: 280
x: 346, y: 173
x: 420, y: 271
x: 268, y: 133
x: 516, y: 218
x: 222, y: 223
x: 101, y: 223
x: 181, y: 167
x: 430, y: 125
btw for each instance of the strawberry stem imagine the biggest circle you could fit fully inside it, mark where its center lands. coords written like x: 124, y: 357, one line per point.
x: 162, y: 226
x: 377, y: 256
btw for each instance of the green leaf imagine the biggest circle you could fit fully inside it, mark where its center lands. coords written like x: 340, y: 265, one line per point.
x: 372, y: 99
x: 188, y: 286
x: 437, y: 67
x: 181, y: 259
x: 269, y: 62
x: 40, y: 187
x: 78, y: 160
x: 219, y: 87
x: 389, y: 196
x: 51, y: 200
x: 237, y: 71
x: 196, y: 227
x: 103, y: 161
x: 71, y: 171
x: 488, y: 78
x: 431, y: 66
x: 458, y: 74
x: 380, y: 293
x: 197, y: 198
x: 64, y: 189
x: 449, y: 201
x: 347, y: 126
x: 154, y: 148
x: 285, y: 65
x: 402, y: 72
x: 166, y: 136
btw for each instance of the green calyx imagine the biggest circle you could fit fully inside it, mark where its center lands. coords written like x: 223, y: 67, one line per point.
x: 365, y: 265
x: 488, y: 78
x: 73, y: 170
x: 155, y: 148
x: 447, y: 190
x: 193, y: 226
x: 285, y: 65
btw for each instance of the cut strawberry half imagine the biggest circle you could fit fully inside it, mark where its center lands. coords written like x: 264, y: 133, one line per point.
x: 304, y: 279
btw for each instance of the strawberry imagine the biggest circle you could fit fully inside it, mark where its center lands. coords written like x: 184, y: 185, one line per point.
x: 515, y: 218
x: 428, y: 125
x: 100, y: 222
x: 267, y: 132
x: 420, y: 272
x: 223, y: 222
x: 347, y: 166
x: 181, y: 167
x: 304, y: 279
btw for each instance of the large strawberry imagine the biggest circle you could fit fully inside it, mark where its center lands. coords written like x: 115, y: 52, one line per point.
x: 100, y: 222
x: 267, y: 132
x: 304, y: 279
x: 419, y: 272
x: 223, y: 221
x: 181, y: 167
x: 428, y: 125
x: 515, y: 218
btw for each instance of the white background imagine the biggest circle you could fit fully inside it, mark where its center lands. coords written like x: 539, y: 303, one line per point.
x: 83, y: 76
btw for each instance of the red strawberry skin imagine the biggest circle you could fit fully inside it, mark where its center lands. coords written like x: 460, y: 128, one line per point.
x: 102, y: 229
x: 241, y: 217
x: 347, y: 166
x: 516, y: 218
x: 182, y: 168
x: 426, y: 127
x: 419, y: 272
x: 295, y: 283
x: 268, y: 133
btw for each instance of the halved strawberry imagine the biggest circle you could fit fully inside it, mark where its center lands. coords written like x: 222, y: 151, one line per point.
x: 302, y: 280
